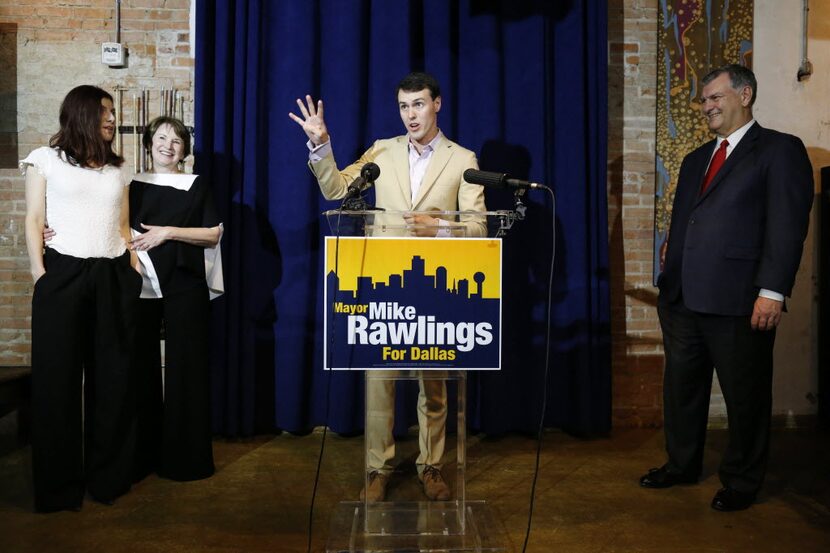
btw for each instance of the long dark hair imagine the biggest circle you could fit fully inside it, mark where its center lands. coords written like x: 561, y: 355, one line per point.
x: 80, y: 134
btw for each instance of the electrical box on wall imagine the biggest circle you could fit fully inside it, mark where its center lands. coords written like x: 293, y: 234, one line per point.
x: 113, y: 54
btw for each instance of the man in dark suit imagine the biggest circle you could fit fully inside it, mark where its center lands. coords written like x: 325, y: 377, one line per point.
x: 740, y: 216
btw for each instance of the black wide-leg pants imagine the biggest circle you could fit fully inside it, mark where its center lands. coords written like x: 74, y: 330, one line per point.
x: 83, y: 419
x: 174, y: 426
x: 695, y: 343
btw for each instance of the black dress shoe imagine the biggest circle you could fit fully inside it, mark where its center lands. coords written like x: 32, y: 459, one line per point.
x: 728, y: 499
x: 662, y: 478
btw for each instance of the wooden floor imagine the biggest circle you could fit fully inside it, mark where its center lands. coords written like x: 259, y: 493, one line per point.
x: 588, y: 499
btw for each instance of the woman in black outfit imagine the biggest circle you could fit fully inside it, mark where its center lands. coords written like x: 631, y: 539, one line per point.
x: 174, y: 223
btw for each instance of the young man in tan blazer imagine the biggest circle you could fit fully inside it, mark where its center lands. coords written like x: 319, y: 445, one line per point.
x: 419, y: 171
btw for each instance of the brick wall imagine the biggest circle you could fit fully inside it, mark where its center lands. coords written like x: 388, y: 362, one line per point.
x: 59, y: 47
x: 637, y: 341
x: 47, y: 48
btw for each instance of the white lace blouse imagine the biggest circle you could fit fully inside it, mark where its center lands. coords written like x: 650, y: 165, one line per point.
x: 83, y: 205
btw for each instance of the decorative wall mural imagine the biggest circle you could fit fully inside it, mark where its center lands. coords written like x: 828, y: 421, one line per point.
x: 694, y: 37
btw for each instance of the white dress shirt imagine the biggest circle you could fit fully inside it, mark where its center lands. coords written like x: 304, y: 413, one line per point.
x: 734, y: 139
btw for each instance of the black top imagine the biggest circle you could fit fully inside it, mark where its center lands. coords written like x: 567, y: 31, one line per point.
x: 179, y: 266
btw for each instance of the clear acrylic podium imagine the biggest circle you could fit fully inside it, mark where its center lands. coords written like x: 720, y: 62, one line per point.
x: 406, y: 520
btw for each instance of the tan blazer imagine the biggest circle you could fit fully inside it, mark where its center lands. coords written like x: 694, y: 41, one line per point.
x: 443, y: 187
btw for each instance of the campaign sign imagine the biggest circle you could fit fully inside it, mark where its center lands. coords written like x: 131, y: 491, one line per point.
x: 412, y: 303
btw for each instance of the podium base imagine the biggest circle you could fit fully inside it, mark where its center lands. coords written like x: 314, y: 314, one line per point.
x: 415, y: 526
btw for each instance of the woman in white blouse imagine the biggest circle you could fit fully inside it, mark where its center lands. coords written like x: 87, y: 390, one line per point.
x: 86, y: 289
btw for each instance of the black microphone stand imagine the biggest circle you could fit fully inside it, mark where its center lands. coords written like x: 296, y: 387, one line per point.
x: 354, y: 200
x: 518, y: 206
x: 357, y: 202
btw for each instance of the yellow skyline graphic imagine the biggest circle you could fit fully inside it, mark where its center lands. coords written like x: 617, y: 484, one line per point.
x: 380, y: 257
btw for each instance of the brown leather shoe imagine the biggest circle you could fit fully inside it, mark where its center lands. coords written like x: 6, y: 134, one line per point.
x: 377, y: 487
x: 434, y: 486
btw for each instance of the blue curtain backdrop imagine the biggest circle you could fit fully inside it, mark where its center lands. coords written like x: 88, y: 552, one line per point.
x: 524, y: 84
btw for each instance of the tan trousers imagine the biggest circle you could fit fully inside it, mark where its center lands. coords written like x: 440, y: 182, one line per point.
x: 380, y: 419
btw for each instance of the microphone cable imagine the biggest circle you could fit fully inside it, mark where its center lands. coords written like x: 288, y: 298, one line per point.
x: 328, y: 383
x: 547, y: 370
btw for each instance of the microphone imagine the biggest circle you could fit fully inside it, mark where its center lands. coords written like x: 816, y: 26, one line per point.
x: 368, y: 175
x: 370, y: 172
x: 497, y: 180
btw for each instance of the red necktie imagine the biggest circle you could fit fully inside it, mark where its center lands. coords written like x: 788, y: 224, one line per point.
x: 715, y: 165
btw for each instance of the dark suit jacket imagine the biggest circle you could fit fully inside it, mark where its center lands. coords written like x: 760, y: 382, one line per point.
x: 746, y: 232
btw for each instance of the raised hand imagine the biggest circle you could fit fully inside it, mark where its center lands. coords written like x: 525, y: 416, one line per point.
x: 312, y: 121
